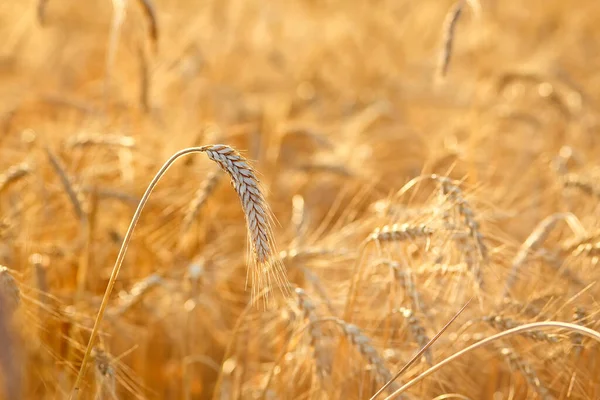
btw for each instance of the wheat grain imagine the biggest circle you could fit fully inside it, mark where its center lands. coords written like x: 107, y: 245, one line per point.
x: 202, y: 194
x: 518, y: 363
x: 13, y: 174
x: 579, y: 316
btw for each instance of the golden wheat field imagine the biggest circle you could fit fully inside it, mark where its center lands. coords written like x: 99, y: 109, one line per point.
x: 383, y: 199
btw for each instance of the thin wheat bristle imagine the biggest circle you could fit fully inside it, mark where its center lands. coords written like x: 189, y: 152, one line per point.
x: 257, y: 213
x: 354, y: 334
x: 397, y: 232
x: 13, y: 174
x: 448, y: 29
x: 418, y: 332
x: 202, y: 194
x: 96, y: 139
x: 316, y: 335
x: 310, y: 252
x: 504, y: 323
x: 9, y: 290
x: 517, y: 362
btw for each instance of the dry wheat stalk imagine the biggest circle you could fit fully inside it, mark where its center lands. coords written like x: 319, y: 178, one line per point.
x: 418, y: 332
x: 502, y: 323
x: 316, y: 335
x: 13, y: 174
x: 9, y: 290
x: 517, y: 362
x: 448, y: 29
x: 397, y: 232
x: 368, y: 351
x: 204, y: 191
x: 310, y: 252
x: 587, y: 184
x: 96, y: 139
x: 264, y: 266
x: 73, y: 192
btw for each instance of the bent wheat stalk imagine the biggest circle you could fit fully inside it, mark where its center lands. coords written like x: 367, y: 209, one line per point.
x: 263, y: 266
x: 523, y: 328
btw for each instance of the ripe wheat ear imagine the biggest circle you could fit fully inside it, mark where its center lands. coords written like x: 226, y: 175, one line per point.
x: 264, y: 265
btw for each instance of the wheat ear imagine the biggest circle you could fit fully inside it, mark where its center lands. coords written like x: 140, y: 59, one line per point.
x: 204, y: 191
x: 517, y: 362
x: 368, y: 351
x: 150, y: 14
x: 72, y: 192
x: 448, y: 29
x: 316, y: 335
x: 13, y: 174
x: 504, y: 323
x: 264, y: 267
x: 535, y: 239
x: 587, y: 185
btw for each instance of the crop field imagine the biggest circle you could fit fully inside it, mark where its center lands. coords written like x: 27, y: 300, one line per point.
x: 299, y: 199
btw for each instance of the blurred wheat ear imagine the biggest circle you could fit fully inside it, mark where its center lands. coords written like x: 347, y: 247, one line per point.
x: 264, y: 265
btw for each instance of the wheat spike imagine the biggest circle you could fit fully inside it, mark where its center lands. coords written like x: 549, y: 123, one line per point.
x: 448, y: 29
x: 319, y: 353
x: 150, y: 14
x: 13, y: 174
x: 587, y: 184
x: 73, y: 193
x: 135, y: 295
x: 503, y: 323
x: 517, y: 362
x: 204, y: 191
x: 397, y: 232
x: 257, y: 214
x: 418, y: 332
x: 455, y: 195
x: 366, y: 349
